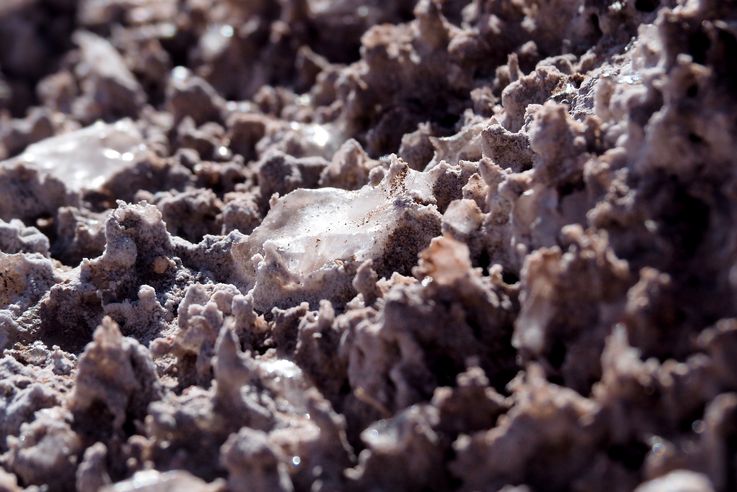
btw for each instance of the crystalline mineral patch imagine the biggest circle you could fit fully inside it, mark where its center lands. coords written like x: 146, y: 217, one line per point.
x: 85, y: 159
x: 312, y: 241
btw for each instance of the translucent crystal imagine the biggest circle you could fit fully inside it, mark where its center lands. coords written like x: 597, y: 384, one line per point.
x: 312, y: 228
x: 86, y: 158
x: 312, y: 239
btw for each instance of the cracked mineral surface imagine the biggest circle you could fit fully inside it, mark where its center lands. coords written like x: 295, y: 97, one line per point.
x: 309, y: 245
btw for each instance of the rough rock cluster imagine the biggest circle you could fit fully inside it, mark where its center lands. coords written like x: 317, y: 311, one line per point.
x: 482, y: 245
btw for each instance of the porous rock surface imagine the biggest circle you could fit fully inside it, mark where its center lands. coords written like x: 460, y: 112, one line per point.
x: 360, y: 245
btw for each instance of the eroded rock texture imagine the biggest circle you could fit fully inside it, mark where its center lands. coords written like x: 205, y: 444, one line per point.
x: 316, y: 245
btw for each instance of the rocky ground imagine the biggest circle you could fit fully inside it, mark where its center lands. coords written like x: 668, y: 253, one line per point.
x: 368, y: 245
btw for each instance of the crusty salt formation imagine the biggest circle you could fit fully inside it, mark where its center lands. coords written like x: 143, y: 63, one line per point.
x: 368, y: 245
